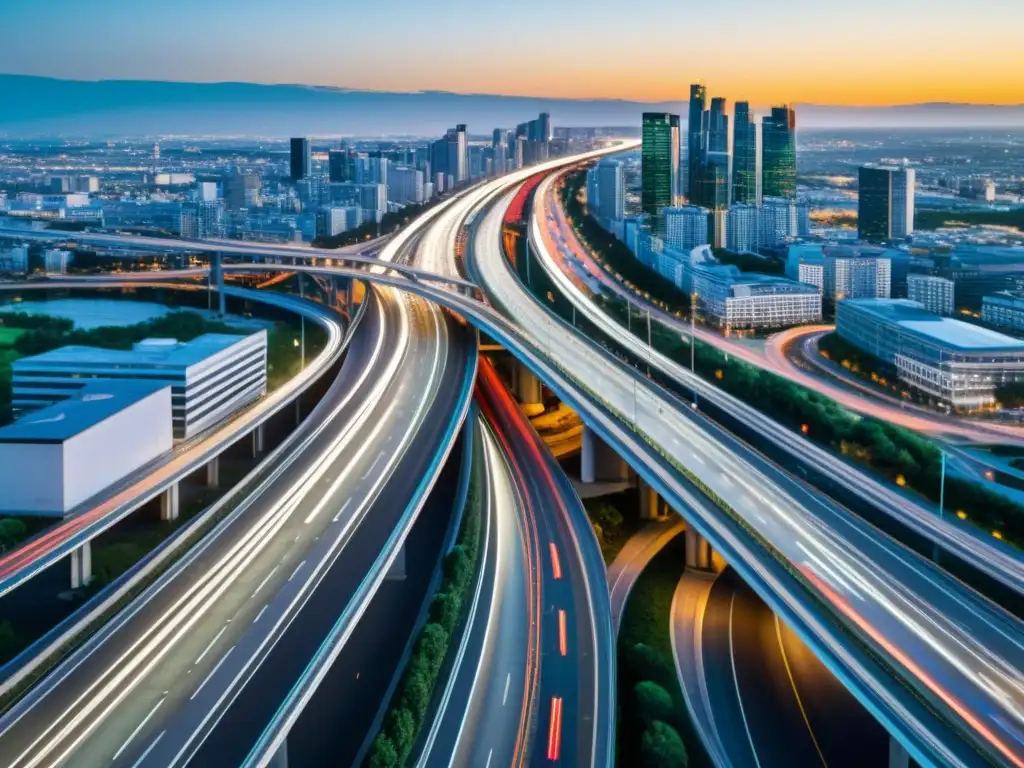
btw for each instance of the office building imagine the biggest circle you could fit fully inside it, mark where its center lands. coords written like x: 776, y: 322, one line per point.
x: 202, y: 220
x: 405, y: 185
x: 934, y: 293
x: 206, y: 192
x: 734, y: 300
x: 742, y: 228
x: 56, y: 261
x: 685, y: 227
x: 746, y: 157
x: 332, y: 221
x: 657, y: 162
x: 778, y: 153
x: 210, y: 377
x: 885, y: 204
x: 59, y: 457
x: 1004, y: 309
x: 958, y: 364
x: 611, y: 186
x: 695, y: 141
x: 301, y: 164
x: 241, y: 191
x: 341, y: 166
x: 14, y: 260
x: 856, y: 274
x: 373, y: 199
x: 782, y: 220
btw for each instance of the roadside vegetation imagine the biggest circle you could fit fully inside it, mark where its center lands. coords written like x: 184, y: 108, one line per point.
x: 654, y: 728
x: 900, y: 456
x: 438, y: 638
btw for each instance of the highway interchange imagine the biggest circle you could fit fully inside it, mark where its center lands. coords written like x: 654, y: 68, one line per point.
x: 151, y: 688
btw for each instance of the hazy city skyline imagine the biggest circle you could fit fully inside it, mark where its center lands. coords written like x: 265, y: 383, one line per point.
x: 812, y: 58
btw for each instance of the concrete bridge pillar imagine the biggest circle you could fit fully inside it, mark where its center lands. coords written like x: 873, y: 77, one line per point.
x: 258, y: 440
x: 217, y: 279
x: 898, y: 755
x: 81, y: 565
x: 528, y: 386
x: 169, y: 503
x: 213, y: 472
x: 599, y: 461
x: 698, y: 550
x: 650, y: 502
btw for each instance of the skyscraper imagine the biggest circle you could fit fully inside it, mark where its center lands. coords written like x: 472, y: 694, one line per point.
x: 695, y: 141
x: 677, y: 182
x: 779, y: 153
x: 716, y: 167
x: 340, y: 165
x: 885, y: 206
x: 656, y: 163
x: 746, y: 156
x: 612, y: 185
x: 301, y: 159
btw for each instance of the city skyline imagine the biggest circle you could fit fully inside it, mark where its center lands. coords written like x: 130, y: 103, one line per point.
x: 409, y: 55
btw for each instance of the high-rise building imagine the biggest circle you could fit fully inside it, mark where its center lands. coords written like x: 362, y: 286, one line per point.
x: 340, y: 166
x: 373, y: 198
x: 405, y: 185
x: 885, y: 204
x: 331, y: 221
x: 14, y: 260
x: 778, y: 159
x: 56, y: 261
x: 677, y: 182
x: 612, y: 185
x: 301, y: 159
x: 746, y: 156
x: 656, y: 163
x: 932, y: 292
x: 742, y: 230
x: 685, y: 227
x: 695, y: 141
x: 781, y: 220
x: 241, y: 190
x: 856, y: 275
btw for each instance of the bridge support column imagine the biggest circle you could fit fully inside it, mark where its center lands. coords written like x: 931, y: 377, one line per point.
x: 397, y: 570
x: 213, y: 472
x: 698, y: 550
x: 258, y: 440
x: 169, y: 503
x: 650, y: 502
x: 217, y: 278
x: 81, y: 565
x: 350, y: 298
x: 528, y: 386
x: 599, y: 461
x: 898, y: 755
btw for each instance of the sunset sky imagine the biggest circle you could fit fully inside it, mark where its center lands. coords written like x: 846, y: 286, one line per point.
x: 868, y: 52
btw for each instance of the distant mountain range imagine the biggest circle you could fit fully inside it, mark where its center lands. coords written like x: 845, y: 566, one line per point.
x: 45, y: 106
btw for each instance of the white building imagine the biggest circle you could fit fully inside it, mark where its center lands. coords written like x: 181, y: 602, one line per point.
x: 742, y: 228
x: 405, y: 185
x: 734, y: 300
x: 55, y: 459
x: 783, y: 220
x: 934, y: 293
x: 853, y: 274
x: 331, y: 221
x: 685, y: 227
x: 210, y: 377
x: 612, y: 189
x: 56, y: 261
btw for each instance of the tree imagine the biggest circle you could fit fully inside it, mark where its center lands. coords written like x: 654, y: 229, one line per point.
x: 416, y: 690
x: 445, y: 610
x: 382, y: 753
x: 12, y: 532
x: 652, y: 702
x: 661, y: 747
x: 402, y: 731
x: 432, y: 646
x: 645, y: 663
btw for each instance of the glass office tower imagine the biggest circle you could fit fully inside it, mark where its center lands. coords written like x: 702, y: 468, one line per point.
x: 779, y: 153
x: 746, y: 156
x: 695, y: 141
x: 656, y: 163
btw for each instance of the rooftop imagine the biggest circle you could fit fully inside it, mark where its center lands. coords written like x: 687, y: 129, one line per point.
x: 94, y: 403
x: 168, y: 353
x: 955, y: 334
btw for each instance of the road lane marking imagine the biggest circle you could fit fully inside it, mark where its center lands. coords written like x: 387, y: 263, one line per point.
x: 561, y: 632
x: 138, y: 728
x: 260, y: 613
x: 490, y: 754
x: 555, y: 729
x: 148, y: 750
x: 373, y: 466
x: 556, y: 565
x: 210, y: 645
x: 504, y: 696
x: 212, y: 673
x: 265, y: 580
x: 340, y: 512
x: 297, y: 567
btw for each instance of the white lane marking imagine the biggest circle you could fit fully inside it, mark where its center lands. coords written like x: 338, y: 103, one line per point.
x: 260, y: 613
x: 148, y: 750
x: 297, y: 567
x: 212, y: 673
x: 508, y: 679
x: 265, y: 580
x: 490, y: 754
x: 210, y: 644
x: 138, y: 728
x: 373, y: 466
x: 340, y: 512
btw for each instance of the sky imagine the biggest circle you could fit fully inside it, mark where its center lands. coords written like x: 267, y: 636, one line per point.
x: 861, y: 52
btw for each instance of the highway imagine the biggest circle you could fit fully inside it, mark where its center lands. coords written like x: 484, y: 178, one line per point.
x: 97, y: 515
x: 996, y: 560
x: 152, y: 686
x: 955, y: 651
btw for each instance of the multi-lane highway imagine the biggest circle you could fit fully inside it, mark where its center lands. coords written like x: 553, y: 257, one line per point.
x: 232, y: 616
